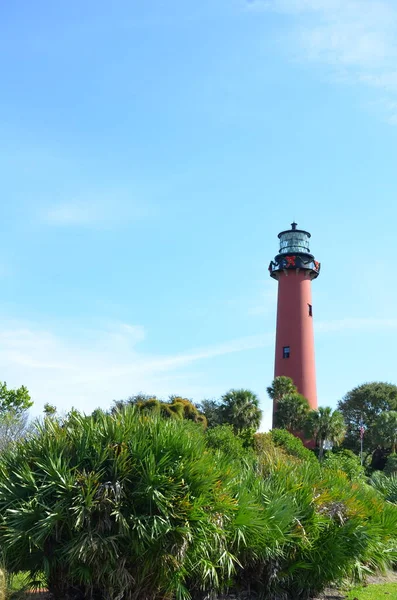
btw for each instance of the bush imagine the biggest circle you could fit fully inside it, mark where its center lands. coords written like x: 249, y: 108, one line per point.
x: 386, y: 485
x: 346, y: 461
x: 131, y: 505
x: 292, y: 445
x: 222, y: 437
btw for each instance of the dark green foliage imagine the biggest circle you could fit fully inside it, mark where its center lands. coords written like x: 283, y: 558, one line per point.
x: 391, y: 464
x: 379, y: 458
x: 385, y: 429
x: 281, y: 386
x: 292, y: 411
x: 323, y: 425
x: 132, y: 401
x: 210, y: 409
x: 134, y: 506
x: 240, y: 408
x: 368, y: 401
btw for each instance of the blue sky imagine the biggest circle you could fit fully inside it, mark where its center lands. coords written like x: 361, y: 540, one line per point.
x: 150, y: 154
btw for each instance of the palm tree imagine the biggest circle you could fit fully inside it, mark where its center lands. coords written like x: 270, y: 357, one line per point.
x: 292, y: 410
x: 324, y: 424
x: 281, y: 386
x: 240, y: 408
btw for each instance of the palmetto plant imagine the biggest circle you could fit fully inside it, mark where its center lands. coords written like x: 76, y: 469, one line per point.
x: 386, y: 485
x: 124, y: 506
x: 131, y: 505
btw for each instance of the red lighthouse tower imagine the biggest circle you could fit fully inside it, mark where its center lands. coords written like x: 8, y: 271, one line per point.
x: 294, y: 268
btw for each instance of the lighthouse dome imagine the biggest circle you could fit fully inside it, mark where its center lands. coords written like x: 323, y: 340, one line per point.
x: 294, y: 241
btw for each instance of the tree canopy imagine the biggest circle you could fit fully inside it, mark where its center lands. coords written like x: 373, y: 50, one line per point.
x: 366, y: 401
x: 292, y: 411
x: 14, y: 405
x: 17, y: 400
x: 385, y: 429
x: 281, y: 386
x: 176, y: 407
x: 324, y: 424
x: 240, y: 408
x: 210, y: 409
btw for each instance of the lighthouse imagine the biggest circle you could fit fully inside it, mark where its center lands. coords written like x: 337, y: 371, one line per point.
x: 295, y: 267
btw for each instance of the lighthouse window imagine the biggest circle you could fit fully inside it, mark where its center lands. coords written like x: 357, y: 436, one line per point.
x: 286, y: 351
x: 310, y: 310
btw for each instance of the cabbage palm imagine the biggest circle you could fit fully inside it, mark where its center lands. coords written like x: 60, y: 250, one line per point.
x: 324, y: 424
x: 133, y: 506
x: 240, y: 408
x: 292, y: 411
x: 281, y: 386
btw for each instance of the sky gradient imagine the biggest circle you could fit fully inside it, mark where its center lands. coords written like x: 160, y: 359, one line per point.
x: 150, y: 154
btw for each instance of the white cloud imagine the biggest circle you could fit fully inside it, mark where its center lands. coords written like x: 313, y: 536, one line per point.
x: 100, y: 365
x: 101, y: 212
x: 88, y: 369
x: 357, y: 40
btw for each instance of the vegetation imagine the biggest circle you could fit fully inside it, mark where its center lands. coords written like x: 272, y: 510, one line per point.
x: 374, y: 592
x: 175, y: 408
x: 325, y: 425
x: 391, y: 465
x: 366, y: 402
x: 386, y: 485
x: 292, y: 445
x: 146, y: 501
x: 49, y: 410
x: 240, y: 408
x: 14, y: 405
x: 223, y: 438
x: 210, y: 409
x: 134, y: 505
x: 346, y: 461
x: 281, y: 386
x: 292, y: 412
x: 385, y: 429
x: 17, y: 400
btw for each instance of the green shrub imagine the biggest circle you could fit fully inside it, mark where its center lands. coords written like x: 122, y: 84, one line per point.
x: 292, y: 445
x: 222, y: 437
x: 346, y: 461
x: 269, y: 456
x: 132, y: 505
x: 129, y: 504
